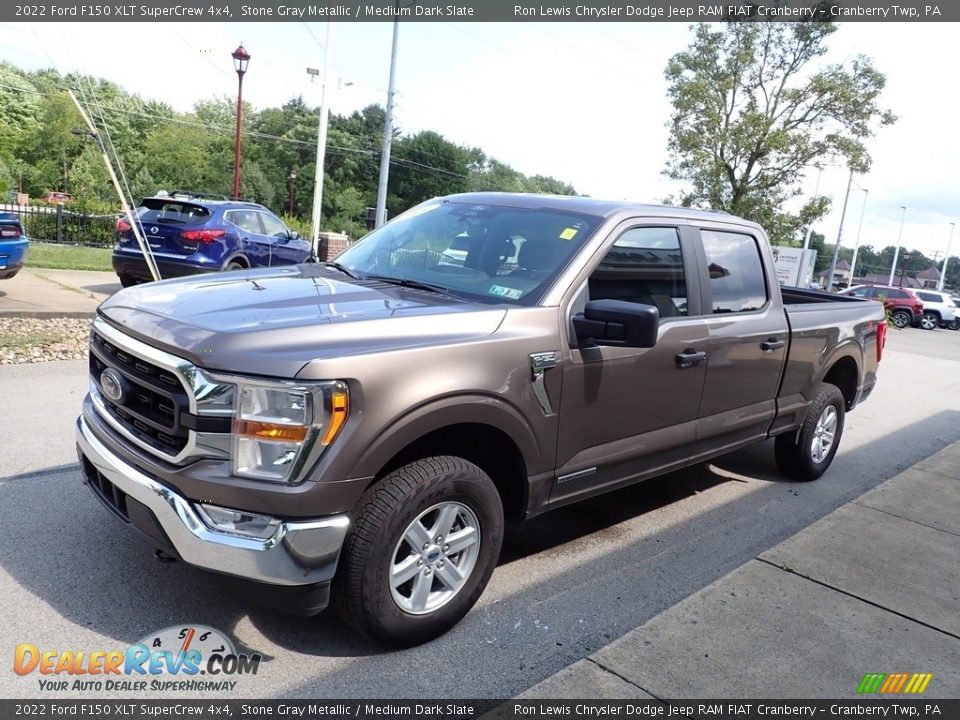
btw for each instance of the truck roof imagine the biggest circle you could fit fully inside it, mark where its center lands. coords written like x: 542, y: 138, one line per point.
x: 593, y: 206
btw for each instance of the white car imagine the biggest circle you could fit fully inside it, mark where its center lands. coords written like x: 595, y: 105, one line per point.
x: 939, y: 310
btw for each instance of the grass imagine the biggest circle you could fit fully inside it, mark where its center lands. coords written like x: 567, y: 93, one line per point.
x: 31, y: 339
x: 68, y: 257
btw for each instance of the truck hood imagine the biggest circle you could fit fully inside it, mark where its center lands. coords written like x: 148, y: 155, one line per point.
x: 274, y: 321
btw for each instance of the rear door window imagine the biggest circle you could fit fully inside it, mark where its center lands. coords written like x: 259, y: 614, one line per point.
x: 172, y: 212
x: 736, y: 272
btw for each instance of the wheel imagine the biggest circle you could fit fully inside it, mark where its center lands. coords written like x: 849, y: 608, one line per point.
x: 954, y: 324
x: 128, y: 280
x: 420, y: 551
x: 807, y: 453
x: 235, y: 265
x: 929, y: 321
x: 901, y: 318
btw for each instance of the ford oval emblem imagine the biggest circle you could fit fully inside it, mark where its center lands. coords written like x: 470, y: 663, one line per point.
x: 112, y: 384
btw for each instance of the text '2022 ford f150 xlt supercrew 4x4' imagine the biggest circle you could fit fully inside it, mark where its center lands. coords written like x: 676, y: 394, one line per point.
x: 356, y: 432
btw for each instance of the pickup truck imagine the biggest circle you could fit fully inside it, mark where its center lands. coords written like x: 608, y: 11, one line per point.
x: 357, y: 432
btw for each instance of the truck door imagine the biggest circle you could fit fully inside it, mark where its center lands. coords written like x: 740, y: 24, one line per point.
x: 629, y: 413
x: 748, y: 342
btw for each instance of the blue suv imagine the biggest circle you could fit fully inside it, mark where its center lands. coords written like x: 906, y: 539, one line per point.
x: 192, y: 234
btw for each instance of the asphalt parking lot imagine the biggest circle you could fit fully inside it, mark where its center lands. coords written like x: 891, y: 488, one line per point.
x: 568, y: 582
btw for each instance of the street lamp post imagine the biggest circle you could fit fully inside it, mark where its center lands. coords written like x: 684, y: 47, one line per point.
x: 293, y: 189
x: 896, y: 252
x: 843, y: 216
x: 946, y: 259
x: 856, y: 244
x: 241, y: 58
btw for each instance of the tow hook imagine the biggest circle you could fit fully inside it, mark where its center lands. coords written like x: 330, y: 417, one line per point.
x: 163, y: 557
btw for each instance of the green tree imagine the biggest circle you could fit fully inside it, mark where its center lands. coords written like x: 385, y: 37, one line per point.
x: 752, y: 110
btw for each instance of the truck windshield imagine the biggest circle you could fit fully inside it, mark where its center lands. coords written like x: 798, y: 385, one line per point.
x: 488, y: 253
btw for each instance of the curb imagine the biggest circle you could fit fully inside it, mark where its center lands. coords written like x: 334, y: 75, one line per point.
x: 47, y: 314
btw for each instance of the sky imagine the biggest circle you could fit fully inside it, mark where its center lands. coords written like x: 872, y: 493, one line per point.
x: 583, y: 102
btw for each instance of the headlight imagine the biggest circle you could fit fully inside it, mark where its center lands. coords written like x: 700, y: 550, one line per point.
x: 278, y: 427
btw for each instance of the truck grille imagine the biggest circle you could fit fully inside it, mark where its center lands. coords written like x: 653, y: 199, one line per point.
x: 153, y: 400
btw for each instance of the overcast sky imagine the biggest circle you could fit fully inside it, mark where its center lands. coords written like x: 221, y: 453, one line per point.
x: 584, y: 102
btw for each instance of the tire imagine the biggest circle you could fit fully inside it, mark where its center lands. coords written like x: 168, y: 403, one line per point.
x: 954, y: 324
x: 412, y: 503
x: 901, y: 318
x: 929, y: 321
x: 795, y: 452
x: 234, y: 265
x: 128, y: 281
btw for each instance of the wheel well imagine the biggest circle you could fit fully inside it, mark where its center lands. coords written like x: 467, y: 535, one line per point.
x: 486, y: 447
x: 240, y: 259
x: 932, y: 312
x: 843, y: 374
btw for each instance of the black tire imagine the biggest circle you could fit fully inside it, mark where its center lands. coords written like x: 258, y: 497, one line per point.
x: 954, y: 324
x: 128, y: 281
x: 794, y: 451
x: 901, y: 318
x: 362, y: 592
x: 929, y: 321
x: 235, y: 265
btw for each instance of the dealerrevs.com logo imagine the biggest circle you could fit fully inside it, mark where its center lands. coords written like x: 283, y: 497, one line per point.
x: 191, y: 658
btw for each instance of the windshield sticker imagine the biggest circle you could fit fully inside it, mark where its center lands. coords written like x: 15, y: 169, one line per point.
x: 568, y: 234
x: 501, y: 291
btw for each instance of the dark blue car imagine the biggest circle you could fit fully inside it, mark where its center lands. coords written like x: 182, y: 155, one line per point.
x: 13, y: 245
x: 190, y: 235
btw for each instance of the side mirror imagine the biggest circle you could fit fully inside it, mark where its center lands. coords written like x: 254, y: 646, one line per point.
x: 294, y: 235
x: 615, y: 322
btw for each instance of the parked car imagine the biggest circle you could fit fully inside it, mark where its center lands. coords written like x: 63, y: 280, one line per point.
x: 904, y: 306
x: 191, y: 234
x: 939, y: 310
x: 13, y: 245
x: 360, y: 430
x: 55, y: 197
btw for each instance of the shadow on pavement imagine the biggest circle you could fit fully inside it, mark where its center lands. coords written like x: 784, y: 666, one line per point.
x: 60, y: 545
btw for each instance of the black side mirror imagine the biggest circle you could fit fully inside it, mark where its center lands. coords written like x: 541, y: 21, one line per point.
x: 615, y: 322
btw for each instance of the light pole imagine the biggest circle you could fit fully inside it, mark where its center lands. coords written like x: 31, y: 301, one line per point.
x: 321, y: 137
x: 896, y: 252
x: 293, y: 189
x: 843, y: 216
x: 946, y: 259
x: 856, y: 245
x: 241, y: 58
x: 816, y: 192
x: 387, y: 133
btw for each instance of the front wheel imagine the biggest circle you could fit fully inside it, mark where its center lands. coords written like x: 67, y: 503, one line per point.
x: 807, y: 453
x: 929, y: 321
x: 901, y: 318
x: 420, y: 551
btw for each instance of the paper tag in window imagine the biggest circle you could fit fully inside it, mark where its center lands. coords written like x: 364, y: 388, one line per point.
x: 568, y: 234
x: 501, y: 291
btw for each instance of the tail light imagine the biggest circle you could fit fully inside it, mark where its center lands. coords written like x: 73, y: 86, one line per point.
x: 122, y: 225
x: 881, y: 338
x: 203, y: 236
x: 8, y: 231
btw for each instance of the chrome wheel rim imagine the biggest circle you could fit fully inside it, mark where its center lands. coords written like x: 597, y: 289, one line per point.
x: 434, y: 558
x: 824, y: 434
x: 928, y: 322
x: 900, y: 320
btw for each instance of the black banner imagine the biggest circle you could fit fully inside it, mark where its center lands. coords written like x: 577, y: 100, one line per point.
x: 493, y: 709
x: 479, y: 11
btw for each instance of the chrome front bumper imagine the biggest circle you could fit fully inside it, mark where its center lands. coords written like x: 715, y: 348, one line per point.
x: 298, y: 553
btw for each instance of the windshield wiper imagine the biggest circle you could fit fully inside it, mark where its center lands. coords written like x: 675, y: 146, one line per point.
x: 342, y: 268
x: 407, y: 282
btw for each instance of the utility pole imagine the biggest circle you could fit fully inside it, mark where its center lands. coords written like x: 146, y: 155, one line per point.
x: 321, y: 139
x: 843, y: 216
x: 856, y: 244
x: 946, y: 259
x: 387, y: 133
x: 896, y: 252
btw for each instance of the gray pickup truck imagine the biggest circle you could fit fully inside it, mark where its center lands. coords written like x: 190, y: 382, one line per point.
x: 357, y: 432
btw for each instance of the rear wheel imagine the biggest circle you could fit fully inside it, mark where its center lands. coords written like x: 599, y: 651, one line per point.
x: 235, y: 265
x: 807, y: 453
x: 954, y: 324
x: 420, y: 551
x: 901, y: 318
x: 128, y: 280
x: 929, y: 321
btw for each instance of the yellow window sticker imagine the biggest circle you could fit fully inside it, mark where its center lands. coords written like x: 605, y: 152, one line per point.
x: 568, y: 234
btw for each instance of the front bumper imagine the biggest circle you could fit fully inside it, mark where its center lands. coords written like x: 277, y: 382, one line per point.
x: 302, y: 552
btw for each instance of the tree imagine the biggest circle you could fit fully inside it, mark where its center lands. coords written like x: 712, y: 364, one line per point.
x: 751, y: 112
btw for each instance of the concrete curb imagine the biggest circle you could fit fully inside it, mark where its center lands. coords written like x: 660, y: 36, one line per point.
x: 45, y: 314
x: 870, y: 587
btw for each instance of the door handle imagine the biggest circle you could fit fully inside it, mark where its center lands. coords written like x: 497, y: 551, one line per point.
x: 689, y: 358
x: 771, y: 344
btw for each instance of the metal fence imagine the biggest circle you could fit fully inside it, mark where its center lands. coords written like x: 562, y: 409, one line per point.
x: 53, y: 223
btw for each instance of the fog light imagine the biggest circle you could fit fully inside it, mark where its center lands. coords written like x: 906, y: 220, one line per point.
x: 239, y: 522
